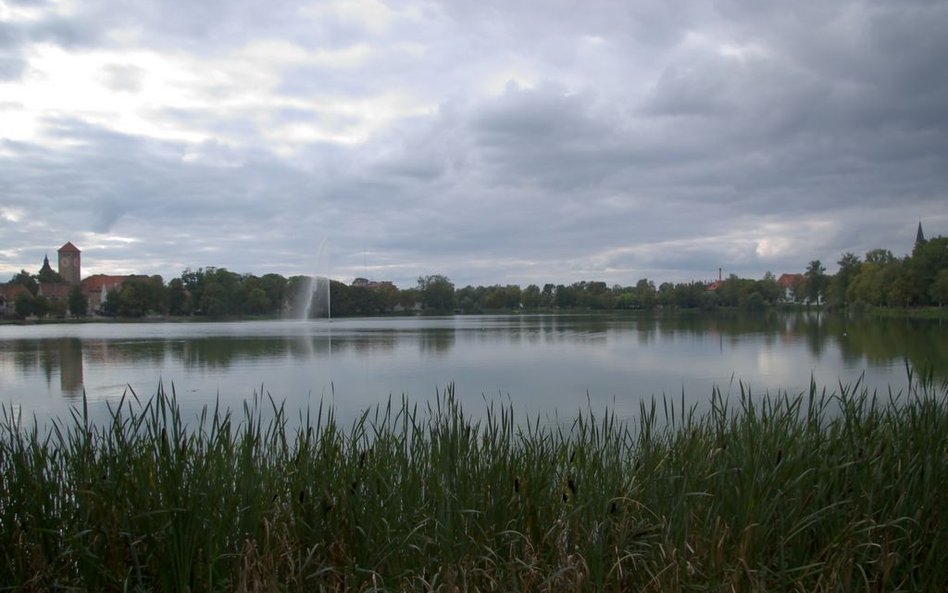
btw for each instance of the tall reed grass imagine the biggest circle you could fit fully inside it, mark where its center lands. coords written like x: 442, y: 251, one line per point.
x: 841, y: 491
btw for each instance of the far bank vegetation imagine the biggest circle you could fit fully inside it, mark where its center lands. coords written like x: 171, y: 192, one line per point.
x: 878, y: 279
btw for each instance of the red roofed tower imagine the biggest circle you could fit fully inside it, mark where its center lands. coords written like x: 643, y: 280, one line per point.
x: 69, y: 263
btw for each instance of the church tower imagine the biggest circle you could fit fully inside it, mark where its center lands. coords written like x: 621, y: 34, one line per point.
x: 69, y: 263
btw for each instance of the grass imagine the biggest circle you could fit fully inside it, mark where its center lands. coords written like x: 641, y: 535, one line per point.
x: 933, y: 313
x: 840, y: 491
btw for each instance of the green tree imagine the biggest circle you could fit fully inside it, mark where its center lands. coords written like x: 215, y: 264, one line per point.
x: 565, y: 297
x: 549, y: 294
x: 532, y: 298
x: 769, y: 289
x: 939, y: 288
x: 408, y: 298
x: 47, y: 274
x: 816, y: 281
x: 274, y: 285
x: 494, y: 298
x: 503, y: 297
x: 754, y: 302
x: 900, y: 285
x: 879, y: 256
x: 645, y: 293
x: 922, y: 268
x: 133, y: 299
x: 24, y: 304
x: 468, y: 300
x: 733, y: 290
x: 179, y: 302
x: 112, y: 303
x: 23, y: 278
x: 233, y: 291
x: 78, y: 302
x: 597, y: 295
x: 157, y: 294
x: 868, y: 286
x: 214, y: 299
x: 56, y: 308
x: 513, y: 296
x: 437, y: 293
x: 849, y: 266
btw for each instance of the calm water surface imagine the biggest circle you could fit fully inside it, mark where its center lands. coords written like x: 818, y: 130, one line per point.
x: 541, y: 364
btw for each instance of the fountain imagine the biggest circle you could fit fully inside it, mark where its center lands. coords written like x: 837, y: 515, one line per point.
x: 315, y: 293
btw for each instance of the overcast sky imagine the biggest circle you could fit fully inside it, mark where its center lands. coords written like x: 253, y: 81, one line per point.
x: 490, y: 141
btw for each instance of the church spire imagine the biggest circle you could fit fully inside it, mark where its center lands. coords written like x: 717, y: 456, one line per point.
x: 46, y: 267
x: 919, y: 235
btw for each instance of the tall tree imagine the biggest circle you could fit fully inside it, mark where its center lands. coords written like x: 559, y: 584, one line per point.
x: 437, y: 293
x: 532, y: 297
x: 78, y: 302
x: 879, y: 256
x: 927, y: 260
x: 645, y: 293
x: 849, y: 266
x: 24, y: 278
x: 816, y: 280
x: 179, y: 302
x: 938, y: 291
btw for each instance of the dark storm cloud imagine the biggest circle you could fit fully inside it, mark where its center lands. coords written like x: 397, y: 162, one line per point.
x: 545, y: 136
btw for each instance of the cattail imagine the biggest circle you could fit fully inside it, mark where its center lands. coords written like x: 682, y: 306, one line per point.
x: 779, y: 456
x: 517, y: 484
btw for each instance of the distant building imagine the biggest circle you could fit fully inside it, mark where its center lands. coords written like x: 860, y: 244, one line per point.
x: 919, y: 235
x: 789, y: 284
x: 54, y: 291
x: 8, y: 294
x: 70, y: 266
x: 372, y: 284
x: 56, y: 286
x: 98, y: 286
x: 716, y: 284
x: 46, y: 271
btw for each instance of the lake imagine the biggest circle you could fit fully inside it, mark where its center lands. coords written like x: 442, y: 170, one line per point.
x: 539, y: 364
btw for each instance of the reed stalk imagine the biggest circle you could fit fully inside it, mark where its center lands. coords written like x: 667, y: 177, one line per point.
x: 820, y: 491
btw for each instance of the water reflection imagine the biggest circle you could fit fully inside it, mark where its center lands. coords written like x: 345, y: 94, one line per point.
x: 51, y: 359
x: 547, y: 356
x: 437, y: 341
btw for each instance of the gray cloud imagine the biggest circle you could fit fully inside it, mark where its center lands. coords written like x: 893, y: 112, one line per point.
x: 11, y: 67
x: 123, y: 77
x: 491, y: 141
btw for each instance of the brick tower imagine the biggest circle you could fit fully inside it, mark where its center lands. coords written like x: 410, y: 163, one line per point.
x: 69, y: 263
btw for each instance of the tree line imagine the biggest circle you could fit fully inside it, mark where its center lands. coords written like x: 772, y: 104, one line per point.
x: 881, y: 279
x: 877, y: 279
